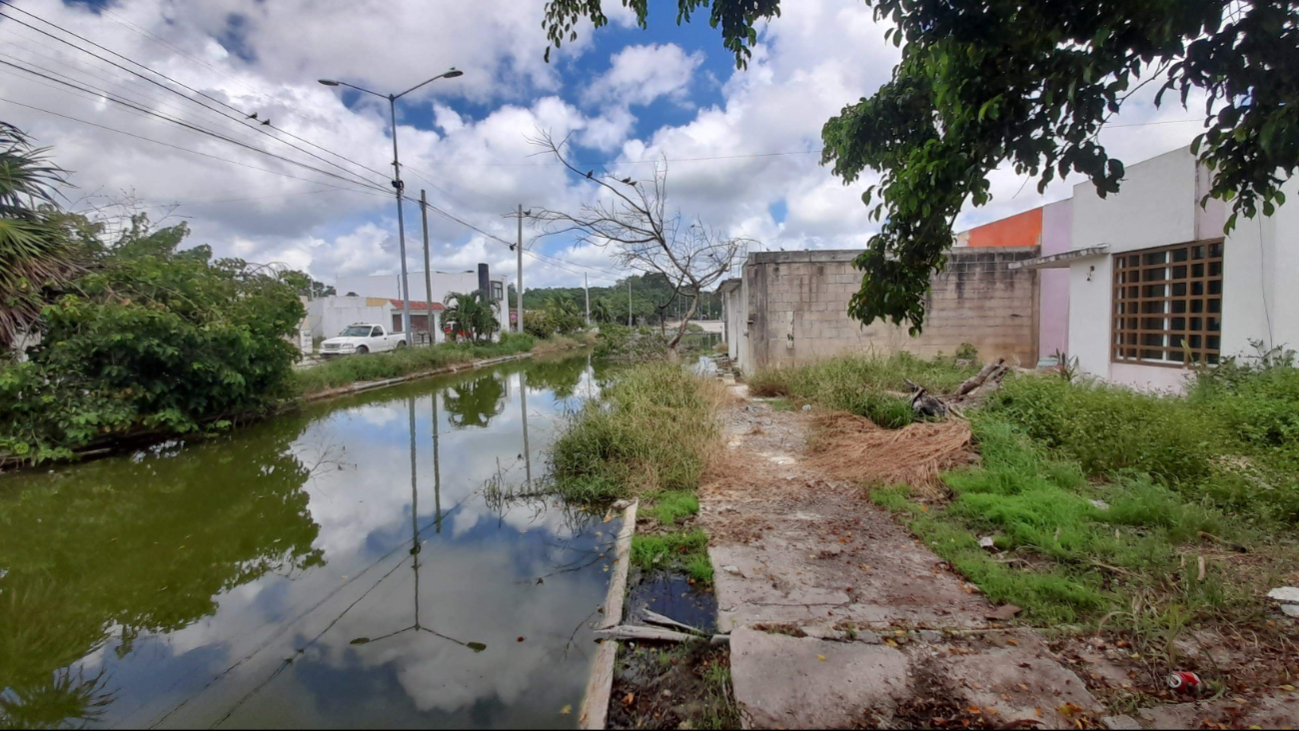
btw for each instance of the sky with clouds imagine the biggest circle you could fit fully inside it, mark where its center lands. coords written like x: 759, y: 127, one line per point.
x: 742, y: 146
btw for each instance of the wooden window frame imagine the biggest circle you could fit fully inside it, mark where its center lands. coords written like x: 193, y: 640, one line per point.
x: 1128, y: 326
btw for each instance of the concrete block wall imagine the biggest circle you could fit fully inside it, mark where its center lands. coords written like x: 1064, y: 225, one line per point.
x: 798, y: 302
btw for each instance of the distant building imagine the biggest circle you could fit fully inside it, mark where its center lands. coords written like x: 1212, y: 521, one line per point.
x: 377, y: 298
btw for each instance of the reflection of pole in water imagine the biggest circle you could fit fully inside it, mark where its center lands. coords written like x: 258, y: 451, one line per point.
x: 414, y: 511
x: 523, y: 400
x: 437, y: 475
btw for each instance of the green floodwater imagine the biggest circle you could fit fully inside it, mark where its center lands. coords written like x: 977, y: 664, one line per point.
x: 346, y: 565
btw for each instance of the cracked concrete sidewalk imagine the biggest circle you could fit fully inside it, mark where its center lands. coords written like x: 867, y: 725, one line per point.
x: 840, y: 618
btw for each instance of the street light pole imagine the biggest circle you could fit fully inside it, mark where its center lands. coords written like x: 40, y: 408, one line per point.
x: 401, y: 224
x: 396, y: 181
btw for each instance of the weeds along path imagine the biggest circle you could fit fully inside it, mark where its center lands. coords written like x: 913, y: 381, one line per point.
x: 840, y: 618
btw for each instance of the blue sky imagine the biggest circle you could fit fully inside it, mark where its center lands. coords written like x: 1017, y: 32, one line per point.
x: 623, y: 95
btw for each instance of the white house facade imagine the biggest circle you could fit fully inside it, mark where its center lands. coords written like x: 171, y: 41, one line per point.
x: 1156, y: 285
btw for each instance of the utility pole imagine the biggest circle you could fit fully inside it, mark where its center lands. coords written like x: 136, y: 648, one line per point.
x: 396, y: 179
x: 428, y: 272
x: 401, y: 223
x: 519, y: 250
x: 586, y: 285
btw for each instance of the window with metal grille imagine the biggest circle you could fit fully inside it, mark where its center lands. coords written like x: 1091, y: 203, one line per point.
x: 498, y: 292
x: 1168, y: 305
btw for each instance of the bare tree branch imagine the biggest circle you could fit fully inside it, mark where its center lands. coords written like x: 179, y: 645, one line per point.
x: 631, y: 216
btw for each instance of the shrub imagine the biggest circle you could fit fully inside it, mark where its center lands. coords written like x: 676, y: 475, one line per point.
x: 539, y: 324
x: 1109, y: 429
x: 154, y: 338
x: 653, y: 428
x: 622, y: 342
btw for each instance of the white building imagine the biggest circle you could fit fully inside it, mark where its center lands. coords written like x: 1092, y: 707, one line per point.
x: 1155, y: 284
x: 378, y: 297
x: 388, y: 286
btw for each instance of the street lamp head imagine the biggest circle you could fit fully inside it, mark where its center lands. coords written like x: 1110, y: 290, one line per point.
x: 328, y: 82
x: 453, y: 73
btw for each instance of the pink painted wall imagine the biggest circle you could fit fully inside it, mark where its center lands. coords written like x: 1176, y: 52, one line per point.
x: 1053, y: 329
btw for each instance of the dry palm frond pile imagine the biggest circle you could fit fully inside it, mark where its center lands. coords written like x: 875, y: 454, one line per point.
x: 850, y: 447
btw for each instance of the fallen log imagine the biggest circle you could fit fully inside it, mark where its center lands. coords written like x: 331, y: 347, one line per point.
x: 655, y: 634
x: 973, y: 382
x: 971, y: 390
x: 662, y: 621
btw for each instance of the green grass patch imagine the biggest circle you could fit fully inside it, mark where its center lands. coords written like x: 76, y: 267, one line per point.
x: 1063, y: 558
x: 404, y: 361
x: 862, y: 384
x: 682, y: 551
x: 670, y: 507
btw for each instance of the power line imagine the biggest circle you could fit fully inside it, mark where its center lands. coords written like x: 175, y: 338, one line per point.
x: 182, y: 149
x: 265, y: 99
x: 161, y: 41
x: 241, y: 119
x: 188, y: 125
x: 92, y: 92
x: 1147, y: 124
x: 77, y: 66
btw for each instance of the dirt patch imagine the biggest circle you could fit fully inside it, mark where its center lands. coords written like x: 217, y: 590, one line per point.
x: 672, y: 686
x: 850, y: 447
x: 933, y: 704
x: 1240, y: 670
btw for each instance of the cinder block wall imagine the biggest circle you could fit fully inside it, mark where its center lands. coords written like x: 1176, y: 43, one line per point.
x: 798, y: 308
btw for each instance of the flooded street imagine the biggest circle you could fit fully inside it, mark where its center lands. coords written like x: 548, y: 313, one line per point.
x: 344, y: 565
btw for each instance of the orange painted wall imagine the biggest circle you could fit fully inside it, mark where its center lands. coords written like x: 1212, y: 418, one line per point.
x: 1024, y: 229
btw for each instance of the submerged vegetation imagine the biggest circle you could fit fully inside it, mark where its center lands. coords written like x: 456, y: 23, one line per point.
x: 1104, y: 505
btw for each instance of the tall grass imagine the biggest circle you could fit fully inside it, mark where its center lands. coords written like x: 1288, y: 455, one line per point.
x: 1233, y: 442
x: 867, y: 385
x: 401, y: 362
x: 1110, y: 428
x: 651, y: 434
x: 1066, y: 559
x: 653, y: 428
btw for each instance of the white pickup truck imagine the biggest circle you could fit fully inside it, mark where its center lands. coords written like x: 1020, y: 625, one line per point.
x: 360, y: 339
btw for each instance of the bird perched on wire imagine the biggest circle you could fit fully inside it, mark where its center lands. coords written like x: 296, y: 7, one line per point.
x: 266, y: 121
x: 589, y: 173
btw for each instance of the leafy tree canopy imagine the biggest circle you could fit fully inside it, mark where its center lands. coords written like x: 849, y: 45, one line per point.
x: 651, y: 301
x: 470, y: 316
x: 985, y: 83
x: 37, y: 254
x: 152, y: 337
